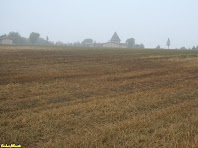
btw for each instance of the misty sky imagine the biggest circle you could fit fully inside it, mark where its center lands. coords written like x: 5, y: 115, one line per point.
x: 150, y: 22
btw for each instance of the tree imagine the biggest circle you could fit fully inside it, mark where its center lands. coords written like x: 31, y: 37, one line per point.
x: 77, y: 44
x: 42, y: 41
x: 47, y: 38
x: 2, y: 36
x: 197, y: 47
x: 24, y: 41
x: 193, y: 48
x: 158, y: 47
x: 168, y: 43
x: 33, y: 38
x: 183, y: 48
x: 87, y: 41
x: 15, y: 36
x: 139, y: 46
x: 130, y: 42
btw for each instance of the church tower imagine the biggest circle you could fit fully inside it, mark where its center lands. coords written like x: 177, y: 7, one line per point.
x: 115, y: 38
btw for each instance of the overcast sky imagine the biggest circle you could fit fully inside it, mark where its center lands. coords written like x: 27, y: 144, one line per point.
x: 150, y: 22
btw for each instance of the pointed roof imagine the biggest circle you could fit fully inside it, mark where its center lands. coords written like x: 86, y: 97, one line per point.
x: 115, y: 38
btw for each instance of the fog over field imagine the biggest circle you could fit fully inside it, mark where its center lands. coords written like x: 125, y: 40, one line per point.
x: 149, y: 22
x: 99, y: 73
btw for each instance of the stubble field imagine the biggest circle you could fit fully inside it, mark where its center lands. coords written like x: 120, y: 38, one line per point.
x: 96, y: 97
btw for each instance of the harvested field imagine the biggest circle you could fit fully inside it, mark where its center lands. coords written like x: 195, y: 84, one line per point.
x: 97, y: 97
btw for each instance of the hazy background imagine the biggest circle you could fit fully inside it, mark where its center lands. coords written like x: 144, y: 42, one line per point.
x: 150, y: 22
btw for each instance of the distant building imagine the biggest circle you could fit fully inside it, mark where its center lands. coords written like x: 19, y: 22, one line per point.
x: 93, y: 44
x: 115, y: 45
x: 6, y: 41
x: 115, y: 42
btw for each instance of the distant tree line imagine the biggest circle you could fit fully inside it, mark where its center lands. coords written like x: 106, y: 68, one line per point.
x: 182, y: 48
x: 34, y: 39
x: 195, y: 48
x: 131, y: 43
x: 88, y: 41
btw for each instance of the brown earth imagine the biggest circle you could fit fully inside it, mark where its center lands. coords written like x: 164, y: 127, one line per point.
x: 97, y: 97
